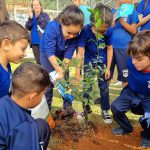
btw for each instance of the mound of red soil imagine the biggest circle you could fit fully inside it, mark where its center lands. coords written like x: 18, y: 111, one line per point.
x: 102, y: 140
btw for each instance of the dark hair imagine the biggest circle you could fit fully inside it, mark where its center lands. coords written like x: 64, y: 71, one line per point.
x: 140, y: 44
x: 71, y: 15
x: 105, y: 14
x: 13, y: 31
x: 29, y: 77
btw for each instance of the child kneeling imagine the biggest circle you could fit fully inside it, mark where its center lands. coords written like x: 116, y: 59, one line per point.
x: 18, y: 130
x: 137, y: 93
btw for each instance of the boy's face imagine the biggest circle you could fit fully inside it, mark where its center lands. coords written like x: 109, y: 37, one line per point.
x: 141, y: 62
x: 70, y: 31
x: 76, y: 2
x: 16, y: 51
x: 102, y: 29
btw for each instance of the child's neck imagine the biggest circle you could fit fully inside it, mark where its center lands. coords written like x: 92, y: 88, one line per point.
x: 3, y: 61
x: 22, y: 102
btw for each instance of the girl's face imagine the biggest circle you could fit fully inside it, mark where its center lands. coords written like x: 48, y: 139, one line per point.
x: 36, y: 6
x: 124, y: 1
x: 70, y: 31
x: 102, y: 29
x: 141, y: 62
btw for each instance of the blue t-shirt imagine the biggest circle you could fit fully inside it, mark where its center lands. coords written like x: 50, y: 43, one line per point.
x: 87, y: 40
x: 18, y: 130
x: 144, y: 12
x: 138, y: 81
x: 121, y: 37
x: 5, y: 80
x: 86, y: 13
x: 35, y: 39
x: 53, y: 42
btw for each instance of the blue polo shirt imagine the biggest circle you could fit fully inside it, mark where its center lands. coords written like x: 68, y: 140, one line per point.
x: 138, y: 81
x: 18, y: 130
x: 87, y: 39
x: 121, y: 37
x: 86, y: 13
x: 5, y: 80
x: 53, y: 43
x: 144, y: 12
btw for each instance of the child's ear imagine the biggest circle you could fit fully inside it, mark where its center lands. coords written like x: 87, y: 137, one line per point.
x: 6, y: 44
x: 32, y: 96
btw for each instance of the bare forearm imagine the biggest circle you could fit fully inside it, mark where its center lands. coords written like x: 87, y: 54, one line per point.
x: 109, y: 56
x: 54, y: 63
x: 79, y: 57
x: 143, y: 20
x: 132, y: 29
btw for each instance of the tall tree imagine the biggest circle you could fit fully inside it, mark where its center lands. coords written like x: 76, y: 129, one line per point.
x: 3, y: 11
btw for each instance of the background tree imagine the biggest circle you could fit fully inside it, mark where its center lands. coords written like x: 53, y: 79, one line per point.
x: 3, y: 11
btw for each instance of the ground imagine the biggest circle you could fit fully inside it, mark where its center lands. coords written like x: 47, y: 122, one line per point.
x: 75, y: 135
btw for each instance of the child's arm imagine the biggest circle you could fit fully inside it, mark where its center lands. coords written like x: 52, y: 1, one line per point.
x: 50, y: 41
x: 79, y: 57
x: 109, y: 60
x: 131, y: 28
x: 142, y: 20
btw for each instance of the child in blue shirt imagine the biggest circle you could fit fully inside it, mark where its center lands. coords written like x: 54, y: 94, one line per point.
x: 84, y: 9
x: 123, y: 30
x: 88, y: 48
x: 18, y: 130
x: 13, y: 41
x: 136, y: 94
x: 144, y: 15
x: 60, y: 41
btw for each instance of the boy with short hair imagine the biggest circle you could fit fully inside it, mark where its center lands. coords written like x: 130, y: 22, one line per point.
x: 13, y: 41
x: 136, y: 95
x: 18, y: 130
x: 87, y: 46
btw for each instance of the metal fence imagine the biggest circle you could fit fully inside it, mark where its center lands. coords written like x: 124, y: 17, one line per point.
x: 21, y: 14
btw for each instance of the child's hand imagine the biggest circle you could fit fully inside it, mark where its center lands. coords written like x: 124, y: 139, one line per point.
x: 30, y: 13
x: 107, y: 74
x: 60, y: 75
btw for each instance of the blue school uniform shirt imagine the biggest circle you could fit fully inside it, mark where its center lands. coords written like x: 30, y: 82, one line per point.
x: 87, y: 40
x: 35, y: 39
x: 18, y: 130
x: 5, y: 80
x: 145, y: 12
x: 53, y: 42
x: 121, y: 37
x: 86, y: 13
x: 138, y: 81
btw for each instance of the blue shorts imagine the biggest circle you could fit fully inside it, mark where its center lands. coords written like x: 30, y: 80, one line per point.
x: 120, y: 58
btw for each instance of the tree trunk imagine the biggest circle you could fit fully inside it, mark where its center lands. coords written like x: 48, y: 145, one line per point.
x: 3, y: 12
